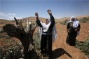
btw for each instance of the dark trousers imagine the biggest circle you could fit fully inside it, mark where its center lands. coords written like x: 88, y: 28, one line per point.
x: 46, y: 44
x: 71, y: 38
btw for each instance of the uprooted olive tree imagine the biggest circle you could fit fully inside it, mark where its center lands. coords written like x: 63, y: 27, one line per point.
x: 25, y: 35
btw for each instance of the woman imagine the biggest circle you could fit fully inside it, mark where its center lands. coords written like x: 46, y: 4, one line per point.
x: 73, y: 28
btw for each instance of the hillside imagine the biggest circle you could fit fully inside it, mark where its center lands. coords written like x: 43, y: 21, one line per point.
x: 61, y: 42
x: 61, y: 49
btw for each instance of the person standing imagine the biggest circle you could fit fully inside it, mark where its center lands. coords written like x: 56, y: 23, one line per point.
x: 73, y: 28
x: 46, y: 36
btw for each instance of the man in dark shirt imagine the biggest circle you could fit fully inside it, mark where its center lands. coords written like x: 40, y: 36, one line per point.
x: 46, y: 37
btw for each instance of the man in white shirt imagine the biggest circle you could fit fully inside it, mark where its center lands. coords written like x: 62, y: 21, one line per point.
x: 46, y: 37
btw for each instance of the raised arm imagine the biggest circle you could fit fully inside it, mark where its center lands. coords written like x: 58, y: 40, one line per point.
x: 51, y: 16
x: 37, y: 19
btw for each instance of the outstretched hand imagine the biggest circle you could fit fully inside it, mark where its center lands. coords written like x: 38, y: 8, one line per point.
x: 49, y: 12
x: 36, y: 14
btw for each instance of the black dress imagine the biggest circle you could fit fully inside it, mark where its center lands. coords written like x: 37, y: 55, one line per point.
x: 72, y: 34
x: 46, y: 39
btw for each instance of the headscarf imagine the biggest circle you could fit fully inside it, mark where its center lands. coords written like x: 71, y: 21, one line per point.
x: 75, y: 22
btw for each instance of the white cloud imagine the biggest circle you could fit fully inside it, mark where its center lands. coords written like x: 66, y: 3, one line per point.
x: 11, y: 14
x: 8, y: 16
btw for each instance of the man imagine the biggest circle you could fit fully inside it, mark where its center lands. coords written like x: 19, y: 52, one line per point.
x: 73, y: 28
x: 46, y: 37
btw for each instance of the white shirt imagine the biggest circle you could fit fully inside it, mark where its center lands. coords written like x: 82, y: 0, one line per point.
x: 45, y: 26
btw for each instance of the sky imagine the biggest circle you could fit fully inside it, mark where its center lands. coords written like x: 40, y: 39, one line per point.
x: 27, y: 8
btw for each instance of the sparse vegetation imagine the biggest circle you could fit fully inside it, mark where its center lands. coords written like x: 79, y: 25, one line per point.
x: 37, y: 41
x: 1, y: 30
x: 64, y: 22
x: 10, y: 48
x: 84, y: 20
x: 10, y: 53
x: 13, y: 49
x: 83, y: 46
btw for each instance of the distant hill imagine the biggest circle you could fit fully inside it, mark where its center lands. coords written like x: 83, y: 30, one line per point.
x: 3, y: 22
x: 33, y: 19
x: 80, y: 18
x: 68, y: 18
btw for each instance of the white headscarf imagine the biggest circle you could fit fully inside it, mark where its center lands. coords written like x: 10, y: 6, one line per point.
x: 75, y: 22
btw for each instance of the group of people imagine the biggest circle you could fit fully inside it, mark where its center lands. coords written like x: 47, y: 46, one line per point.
x: 48, y: 33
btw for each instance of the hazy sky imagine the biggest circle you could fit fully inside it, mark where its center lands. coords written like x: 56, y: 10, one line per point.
x: 26, y: 8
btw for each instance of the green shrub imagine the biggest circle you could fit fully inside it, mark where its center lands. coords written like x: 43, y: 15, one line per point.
x: 10, y: 52
x: 37, y: 40
x: 83, y: 46
x: 84, y: 20
x: 1, y: 30
x: 64, y: 22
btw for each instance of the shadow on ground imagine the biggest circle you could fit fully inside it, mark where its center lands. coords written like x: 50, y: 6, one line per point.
x: 59, y: 52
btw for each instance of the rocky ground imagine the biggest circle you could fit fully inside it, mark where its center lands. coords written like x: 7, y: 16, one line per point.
x: 61, y: 50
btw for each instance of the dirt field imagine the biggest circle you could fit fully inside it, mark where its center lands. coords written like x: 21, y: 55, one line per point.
x: 71, y: 52
x: 61, y: 50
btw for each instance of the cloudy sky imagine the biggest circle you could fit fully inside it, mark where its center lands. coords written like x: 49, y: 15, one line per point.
x: 26, y: 8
